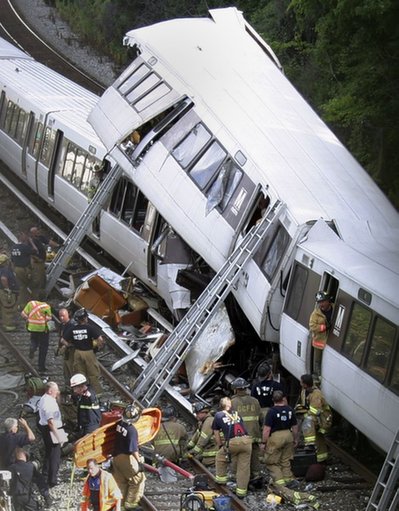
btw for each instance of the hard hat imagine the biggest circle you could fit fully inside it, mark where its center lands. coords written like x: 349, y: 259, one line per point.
x: 239, y: 383
x: 3, y: 259
x: 77, y: 379
x: 321, y: 296
x: 168, y: 412
x: 131, y: 413
x: 80, y: 314
x: 200, y: 407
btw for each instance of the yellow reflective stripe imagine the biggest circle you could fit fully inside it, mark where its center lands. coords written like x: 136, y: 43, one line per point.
x: 209, y: 454
x: 241, y: 491
x: 309, y: 439
x: 203, y: 435
x: 297, y: 497
x: 221, y: 479
x: 280, y: 481
x: 172, y: 441
x: 322, y: 456
x: 313, y: 410
x: 89, y: 407
x: 250, y: 418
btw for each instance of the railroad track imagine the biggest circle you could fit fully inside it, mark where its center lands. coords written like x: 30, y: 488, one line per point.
x: 15, y: 29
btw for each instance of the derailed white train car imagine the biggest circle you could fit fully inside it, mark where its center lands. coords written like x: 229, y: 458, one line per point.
x: 223, y: 136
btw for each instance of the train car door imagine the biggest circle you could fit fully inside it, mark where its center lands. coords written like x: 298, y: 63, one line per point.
x: 25, y: 147
x: 310, y: 274
x: 151, y: 228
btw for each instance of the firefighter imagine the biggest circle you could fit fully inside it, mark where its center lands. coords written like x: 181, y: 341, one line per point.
x: 249, y: 409
x: 21, y: 253
x: 202, y: 444
x: 319, y: 326
x: 127, y: 463
x: 8, y: 294
x: 67, y: 352
x: 280, y: 437
x: 85, y: 338
x: 171, y: 438
x: 235, y: 445
x: 263, y: 388
x: 317, y: 417
x: 89, y: 413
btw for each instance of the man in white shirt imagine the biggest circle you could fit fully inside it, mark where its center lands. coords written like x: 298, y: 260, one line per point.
x: 50, y: 424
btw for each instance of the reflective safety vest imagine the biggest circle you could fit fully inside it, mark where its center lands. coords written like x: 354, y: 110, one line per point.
x: 109, y: 493
x: 38, y: 314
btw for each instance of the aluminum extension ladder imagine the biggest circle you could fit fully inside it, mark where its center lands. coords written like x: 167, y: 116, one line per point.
x: 75, y: 237
x: 157, y: 374
x: 385, y: 495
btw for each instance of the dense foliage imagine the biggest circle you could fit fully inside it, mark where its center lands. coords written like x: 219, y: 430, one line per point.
x: 343, y: 55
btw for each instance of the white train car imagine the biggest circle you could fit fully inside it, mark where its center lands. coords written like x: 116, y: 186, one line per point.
x: 224, y: 136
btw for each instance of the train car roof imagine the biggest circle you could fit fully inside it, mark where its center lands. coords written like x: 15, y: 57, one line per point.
x: 43, y: 90
x: 227, y: 72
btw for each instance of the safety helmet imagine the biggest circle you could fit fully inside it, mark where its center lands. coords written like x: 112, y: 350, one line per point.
x: 77, y: 379
x: 321, y: 296
x: 168, y: 412
x: 131, y: 413
x: 80, y: 314
x: 200, y: 407
x: 3, y: 259
x: 239, y: 383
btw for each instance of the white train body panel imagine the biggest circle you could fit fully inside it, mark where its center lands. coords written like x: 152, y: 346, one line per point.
x: 211, y: 87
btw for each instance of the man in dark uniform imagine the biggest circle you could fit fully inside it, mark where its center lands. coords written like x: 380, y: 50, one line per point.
x: 67, y: 352
x: 126, y: 463
x: 21, y: 253
x: 24, y: 475
x: 236, y: 445
x: 38, y: 262
x: 264, y: 387
x: 89, y: 413
x: 12, y: 438
x: 85, y: 338
x: 280, y: 437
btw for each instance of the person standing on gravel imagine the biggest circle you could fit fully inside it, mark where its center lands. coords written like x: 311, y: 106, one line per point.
x: 21, y: 253
x: 126, y: 463
x: 8, y: 294
x: 85, y: 338
x: 50, y: 426
x: 37, y: 315
x: 67, y: 352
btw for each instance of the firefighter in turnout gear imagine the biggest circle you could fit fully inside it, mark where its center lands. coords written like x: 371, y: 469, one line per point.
x: 263, y: 388
x: 202, y: 444
x: 127, y: 466
x: 249, y: 409
x: 8, y: 294
x: 89, y: 413
x: 317, y: 416
x: 319, y: 326
x: 280, y: 437
x: 235, y: 446
x: 171, y: 438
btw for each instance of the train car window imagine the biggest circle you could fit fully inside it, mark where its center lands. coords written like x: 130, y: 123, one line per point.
x: 296, y: 291
x: 47, y: 146
x: 394, y: 383
x: 381, y: 348
x: 207, y: 166
x: 117, y: 198
x: 276, y: 252
x: 37, y: 139
x: 357, y: 333
x: 140, y: 211
x: 224, y: 186
x: 22, y: 126
x: 151, y: 97
x: 79, y: 167
x: 9, y: 116
x: 191, y: 146
x: 148, y: 83
x: 132, y: 80
x: 69, y: 161
x: 128, y: 204
x: 88, y: 173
